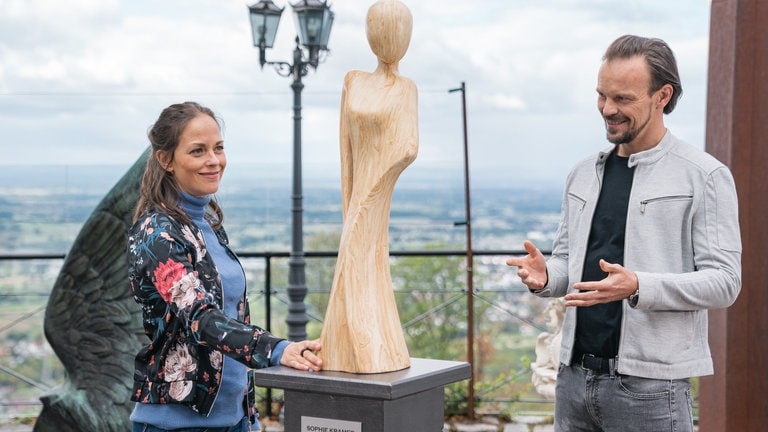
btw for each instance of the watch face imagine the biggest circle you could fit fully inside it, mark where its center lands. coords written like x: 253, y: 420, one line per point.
x: 633, y: 299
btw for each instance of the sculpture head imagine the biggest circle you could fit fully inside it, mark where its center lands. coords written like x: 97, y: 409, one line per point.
x: 388, y: 26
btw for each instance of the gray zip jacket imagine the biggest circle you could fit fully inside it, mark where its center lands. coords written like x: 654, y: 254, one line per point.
x: 682, y: 240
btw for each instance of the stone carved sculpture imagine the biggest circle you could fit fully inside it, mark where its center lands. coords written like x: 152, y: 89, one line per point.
x: 92, y: 322
x: 379, y: 139
x: 544, y: 369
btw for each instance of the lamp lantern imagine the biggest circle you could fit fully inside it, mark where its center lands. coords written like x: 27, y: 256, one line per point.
x: 265, y: 17
x: 314, y: 20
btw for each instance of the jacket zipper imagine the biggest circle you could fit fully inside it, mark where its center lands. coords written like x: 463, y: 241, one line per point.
x: 643, y: 203
x: 581, y: 200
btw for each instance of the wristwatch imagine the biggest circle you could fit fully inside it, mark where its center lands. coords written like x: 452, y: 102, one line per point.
x: 632, y: 299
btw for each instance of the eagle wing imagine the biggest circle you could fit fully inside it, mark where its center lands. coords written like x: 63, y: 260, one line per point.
x: 92, y: 322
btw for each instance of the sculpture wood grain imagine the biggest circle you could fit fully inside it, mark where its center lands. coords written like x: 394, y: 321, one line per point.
x: 379, y: 139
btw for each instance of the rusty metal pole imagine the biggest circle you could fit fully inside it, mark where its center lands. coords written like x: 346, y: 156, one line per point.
x: 470, y: 262
x: 733, y: 399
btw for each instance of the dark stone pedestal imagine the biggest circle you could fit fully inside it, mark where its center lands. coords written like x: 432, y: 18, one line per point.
x: 327, y: 401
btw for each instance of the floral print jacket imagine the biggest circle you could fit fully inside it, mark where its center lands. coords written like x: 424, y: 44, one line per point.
x: 177, y: 285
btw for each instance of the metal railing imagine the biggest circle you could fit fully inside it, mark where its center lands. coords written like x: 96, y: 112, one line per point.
x: 269, y: 294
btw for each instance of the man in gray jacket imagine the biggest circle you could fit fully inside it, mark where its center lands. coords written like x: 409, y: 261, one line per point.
x: 648, y: 241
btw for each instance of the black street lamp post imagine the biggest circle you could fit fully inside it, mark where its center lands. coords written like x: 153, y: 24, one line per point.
x: 313, y: 21
x: 470, y: 260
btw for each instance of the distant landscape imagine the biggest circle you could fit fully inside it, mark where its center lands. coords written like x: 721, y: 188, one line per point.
x: 43, y: 208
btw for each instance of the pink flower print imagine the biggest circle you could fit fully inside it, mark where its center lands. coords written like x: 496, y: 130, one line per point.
x: 217, y: 358
x: 180, y: 389
x: 197, y: 241
x: 166, y: 275
x: 184, y: 292
x: 178, y: 363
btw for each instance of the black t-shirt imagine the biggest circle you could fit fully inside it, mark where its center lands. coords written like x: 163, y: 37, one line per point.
x: 598, y: 326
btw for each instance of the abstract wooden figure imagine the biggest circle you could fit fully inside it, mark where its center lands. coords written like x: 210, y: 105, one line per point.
x: 379, y: 139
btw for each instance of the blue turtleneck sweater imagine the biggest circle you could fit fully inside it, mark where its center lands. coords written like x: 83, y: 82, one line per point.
x: 228, y: 408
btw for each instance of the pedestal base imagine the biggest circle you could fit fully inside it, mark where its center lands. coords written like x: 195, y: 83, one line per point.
x: 328, y: 401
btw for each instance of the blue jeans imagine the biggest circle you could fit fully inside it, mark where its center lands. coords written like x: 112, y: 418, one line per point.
x: 240, y: 427
x: 586, y: 400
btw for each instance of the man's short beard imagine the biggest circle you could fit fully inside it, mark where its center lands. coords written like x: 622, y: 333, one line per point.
x: 630, y: 135
x: 624, y: 138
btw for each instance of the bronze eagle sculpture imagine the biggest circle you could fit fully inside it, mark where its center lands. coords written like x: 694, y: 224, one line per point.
x: 92, y: 322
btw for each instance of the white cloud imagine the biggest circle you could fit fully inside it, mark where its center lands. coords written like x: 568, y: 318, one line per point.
x: 506, y: 102
x: 80, y: 82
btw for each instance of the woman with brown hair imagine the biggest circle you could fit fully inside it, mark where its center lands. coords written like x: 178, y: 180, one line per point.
x: 193, y: 374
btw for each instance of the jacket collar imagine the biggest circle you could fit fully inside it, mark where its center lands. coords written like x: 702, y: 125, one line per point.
x: 645, y: 157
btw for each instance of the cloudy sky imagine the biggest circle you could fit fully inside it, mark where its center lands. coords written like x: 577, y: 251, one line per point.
x: 82, y: 80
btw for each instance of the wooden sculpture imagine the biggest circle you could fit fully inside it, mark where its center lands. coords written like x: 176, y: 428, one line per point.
x: 379, y: 139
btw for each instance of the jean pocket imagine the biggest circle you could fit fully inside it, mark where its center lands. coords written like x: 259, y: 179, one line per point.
x: 643, y: 388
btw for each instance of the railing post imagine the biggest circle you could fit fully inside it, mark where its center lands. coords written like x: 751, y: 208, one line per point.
x: 268, y: 317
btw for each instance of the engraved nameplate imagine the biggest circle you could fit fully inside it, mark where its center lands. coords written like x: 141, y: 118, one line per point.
x: 315, y: 424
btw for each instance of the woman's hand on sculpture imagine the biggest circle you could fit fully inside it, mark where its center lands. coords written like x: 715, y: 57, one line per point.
x: 531, y: 268
x: 302, y: 355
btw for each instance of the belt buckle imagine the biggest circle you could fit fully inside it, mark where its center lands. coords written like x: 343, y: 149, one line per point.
x: 591, y: 362
x: 599, y: 364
